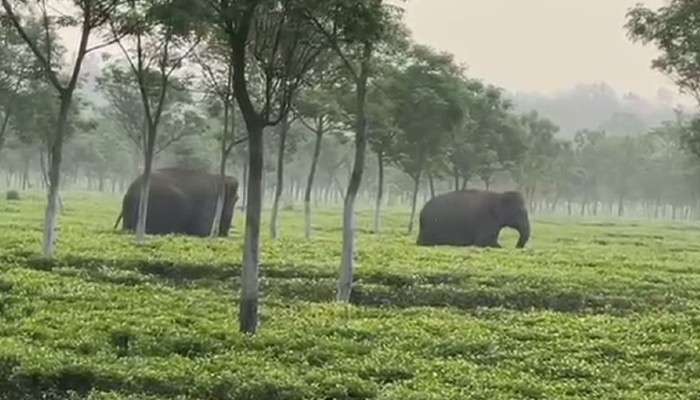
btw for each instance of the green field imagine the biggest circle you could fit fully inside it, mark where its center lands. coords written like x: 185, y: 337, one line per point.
x: 591, y: 310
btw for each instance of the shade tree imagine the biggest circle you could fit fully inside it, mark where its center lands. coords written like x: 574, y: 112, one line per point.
x: 427, y: 106
x: 155, y: 39
x: 89, y: 17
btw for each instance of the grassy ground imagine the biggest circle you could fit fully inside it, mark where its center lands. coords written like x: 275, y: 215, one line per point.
x: 592, y: 310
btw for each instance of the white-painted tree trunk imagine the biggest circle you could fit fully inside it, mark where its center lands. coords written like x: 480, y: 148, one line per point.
x: 250, y: 293
x: 221, y: 185
x: 380, y: 194
x: 216, y: 221
x: 51, y: 223
x: 347, y: 270
x: 347, y: 263
x: 229, y: 130
x: 143, y: 208
x: 279, y: 187
x: 414, y: 201
x: 53, y: 205
x: 310, y: 182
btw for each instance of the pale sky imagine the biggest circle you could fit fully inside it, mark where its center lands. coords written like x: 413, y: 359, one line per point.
x: 540, y: 45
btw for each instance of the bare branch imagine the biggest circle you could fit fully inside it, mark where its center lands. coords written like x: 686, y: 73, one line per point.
x: 103, y: 45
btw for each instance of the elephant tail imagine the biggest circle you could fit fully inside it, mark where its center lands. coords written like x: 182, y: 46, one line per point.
x: 119, y: 219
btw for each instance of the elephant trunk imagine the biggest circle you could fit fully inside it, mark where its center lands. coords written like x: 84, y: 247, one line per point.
x: 524, y: 231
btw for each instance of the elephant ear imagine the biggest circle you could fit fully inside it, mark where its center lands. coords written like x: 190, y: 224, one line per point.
x: 507, y: 205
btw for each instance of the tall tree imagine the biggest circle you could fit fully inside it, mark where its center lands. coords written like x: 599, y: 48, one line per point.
x: 428, y: 106
x: 90, y: 16
x: 283, y: 129
x: 358, y: 32
x: 318, y: 109
x: 383, y: 133
x: 675, y: 30
x: 217, y: 67
x: 589, y: 161
x: 540, y: 152
x: 622, y: 159
x: 155, y: 38
x: 126, y: 111
x: 272, y: 47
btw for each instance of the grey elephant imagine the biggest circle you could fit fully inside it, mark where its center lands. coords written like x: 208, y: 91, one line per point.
x: 181, y: 201
x: 473, y: 218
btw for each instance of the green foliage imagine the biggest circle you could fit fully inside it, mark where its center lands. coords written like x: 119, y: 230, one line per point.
x: 541, y: 148
x: 675, y: 30
x: 593, y: 309
x: 12, y: 195
x: 490, y: 137
x: 426, y: 105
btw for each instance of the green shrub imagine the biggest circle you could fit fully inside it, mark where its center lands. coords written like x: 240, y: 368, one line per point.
x: 12, y: 195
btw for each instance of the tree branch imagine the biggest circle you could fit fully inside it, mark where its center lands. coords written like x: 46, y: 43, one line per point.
x: 334, y: 44
x: 14, y: 19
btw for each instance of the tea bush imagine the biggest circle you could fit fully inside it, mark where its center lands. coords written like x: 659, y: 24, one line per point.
x: 12, y: 195
x: 592, y: 309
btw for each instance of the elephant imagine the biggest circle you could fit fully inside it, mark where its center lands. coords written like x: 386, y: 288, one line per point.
x: 473, y: 218
x: 181, y: 201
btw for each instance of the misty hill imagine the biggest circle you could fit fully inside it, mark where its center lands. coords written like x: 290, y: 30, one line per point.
x: 599, y: 106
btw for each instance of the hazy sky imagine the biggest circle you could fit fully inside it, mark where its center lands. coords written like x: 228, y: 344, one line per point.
x: 540, y: 45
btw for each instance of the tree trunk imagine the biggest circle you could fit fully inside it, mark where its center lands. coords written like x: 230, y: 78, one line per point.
x: 465, y: 181
x: 143, y: 205
x: 244, y: 196
x: 279, y: 187
x: 380, y: 193
x: 620, y: 206
x: 25, y: 172
x: 142, y: 216
x: 657, y: 206
x: 414, y: 201
x: 431, y: 184
x: 221, y: 192
x: 44, y: 170
x: 54, y: 179
x: 347, y: 264
x: 251, y: 254
x: 228, y: 132
x: 3, y: 129
x: 457, y: 187
x: 310, y: 182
